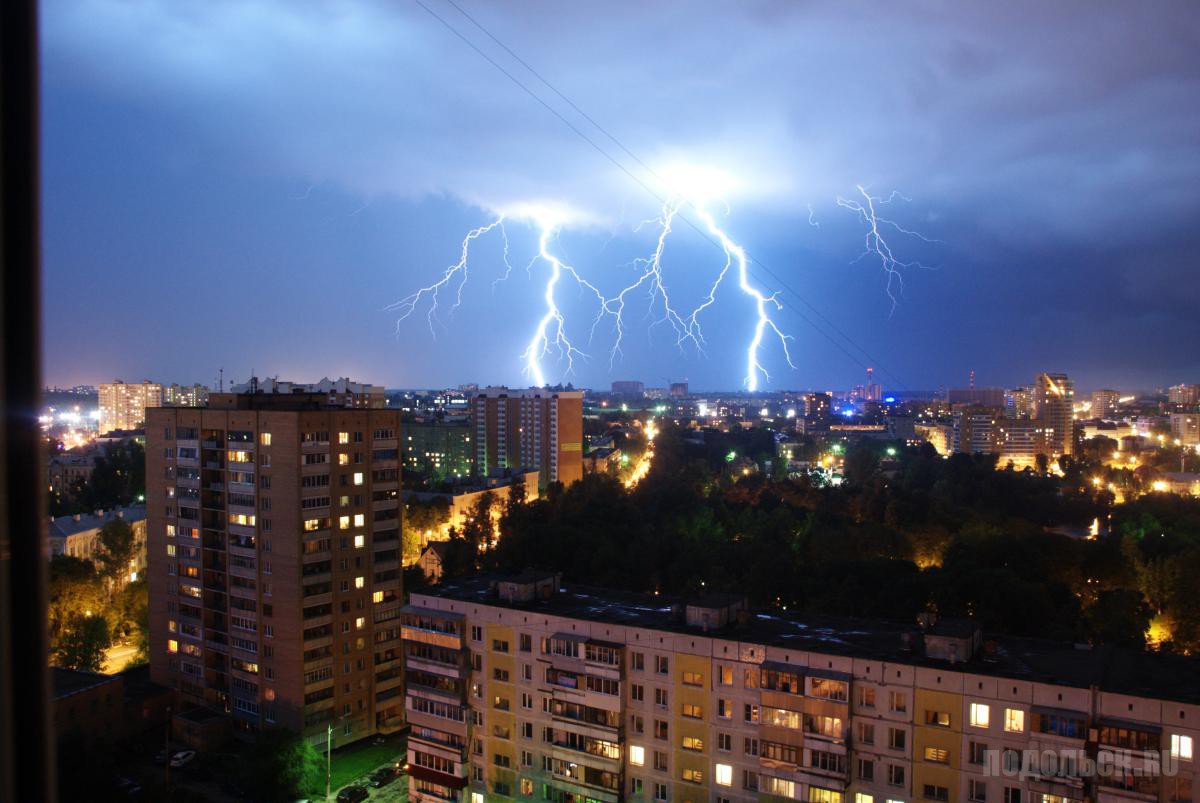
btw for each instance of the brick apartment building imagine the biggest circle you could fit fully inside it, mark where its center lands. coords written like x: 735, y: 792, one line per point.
x: 273, y: 525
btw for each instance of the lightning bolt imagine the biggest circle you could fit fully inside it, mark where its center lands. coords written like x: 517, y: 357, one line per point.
x: 734, y: 253
x: 650, y: 277
x: 875, y: 242
x: 456, y: 275
x: 550, y: 336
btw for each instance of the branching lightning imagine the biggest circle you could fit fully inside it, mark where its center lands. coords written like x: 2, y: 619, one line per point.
x: 875, y: 242
x: 551, y: 337
x: 458, y: 272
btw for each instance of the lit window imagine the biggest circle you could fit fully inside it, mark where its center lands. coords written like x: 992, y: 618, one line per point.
x: 359, y: 582
x: 360, y: 541
x: 344, y: 523
x: 360, y: 623
x: 172, y: 645
x: 358, y: 478
x: 724, y: 775
x: 980, y: 714
x: 343, y: 459
x: 1181, y: 747
x: 359, y: 519
x: 860, y: 797
x: 1014, y: 720
x: 343, y: 437
x: 265, y: 438
x: 637, y: 755
x: 171, y: 549
x: 377, y: 596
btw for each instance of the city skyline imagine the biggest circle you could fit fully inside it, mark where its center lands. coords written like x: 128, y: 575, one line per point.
x: 1056, y: 180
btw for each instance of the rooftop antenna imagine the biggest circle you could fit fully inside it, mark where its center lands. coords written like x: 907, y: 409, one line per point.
x: 972, y: 378
x: 221, y: 379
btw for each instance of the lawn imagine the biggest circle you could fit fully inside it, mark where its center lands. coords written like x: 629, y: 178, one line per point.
x: 357, y: 760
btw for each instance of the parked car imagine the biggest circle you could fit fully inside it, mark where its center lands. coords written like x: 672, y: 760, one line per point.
x: 182, y: 758
x: 384, y: 776
x: 353, y: 794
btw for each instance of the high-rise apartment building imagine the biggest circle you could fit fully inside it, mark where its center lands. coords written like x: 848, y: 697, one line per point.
x: 185, y: 395
x: 1185, y: 395
x: 1018, y: 403
x: 987, y: 397
x: 629, y: 387
x: 1054, y: 407
x: 438, y: 448
x: 123, y: 406
x: 976, y: 430
x: 1105, y: 403
x: 536, y: 428
x: 273, y: 522
x: 1020, y: 441
x: 1185, y: 428
x: 678, y: 390
x: 337, y: 392
x: 517, y: 690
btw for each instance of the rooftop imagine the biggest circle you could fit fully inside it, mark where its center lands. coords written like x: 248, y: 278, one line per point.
x: 70, y: 681
x: 65, y: 526
x: 1117, y: 670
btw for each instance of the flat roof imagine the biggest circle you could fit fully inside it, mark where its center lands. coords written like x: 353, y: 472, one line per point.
x: 1112, y: 669
x: 71, y: 681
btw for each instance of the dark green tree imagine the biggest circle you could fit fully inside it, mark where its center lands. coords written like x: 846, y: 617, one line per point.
x: 280, y: 767
x: 116, y: 551
x: 82, y: 643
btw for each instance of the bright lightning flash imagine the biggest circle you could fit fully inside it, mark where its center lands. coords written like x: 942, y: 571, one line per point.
x: 456, y: 275
x: 762, y: 303
x: 876, y: 243
x: 551, y: 337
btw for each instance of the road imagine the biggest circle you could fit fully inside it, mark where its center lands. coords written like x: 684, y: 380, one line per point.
x: 117, y: 658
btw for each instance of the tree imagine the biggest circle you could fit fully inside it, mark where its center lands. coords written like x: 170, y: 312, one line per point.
x: 75, y: 591
x: 116, y: 551
x: 1119, y: 616
x: 82, y: 643
x: 280, y: 766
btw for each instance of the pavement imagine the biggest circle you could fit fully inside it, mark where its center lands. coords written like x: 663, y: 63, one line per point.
x: 117, y: 658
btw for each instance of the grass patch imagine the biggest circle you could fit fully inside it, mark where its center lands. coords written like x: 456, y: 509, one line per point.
x: 357, y: 760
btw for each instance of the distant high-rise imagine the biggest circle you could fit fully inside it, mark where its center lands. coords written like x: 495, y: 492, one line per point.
x: 1054, y: 406
x: 1185, y: 428
x: 439, y: 448
x: 185, y: 395
x: 679, y: 390
x: 1018, y: 403
x: 628, y: 387
x: 535, y: 428
x: 328, y: 392
x: 123, y: 406
x: 987, y: 397
x: 274, y: 561
x: 1105, y: 403
x: 1186, y: 395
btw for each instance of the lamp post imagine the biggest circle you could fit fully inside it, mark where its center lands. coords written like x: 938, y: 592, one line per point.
x: 328, y: 760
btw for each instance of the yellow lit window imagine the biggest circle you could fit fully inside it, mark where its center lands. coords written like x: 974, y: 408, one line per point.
x: 358, y: 478
x: 265, y: 439
x: 693, y: 776
x: 171, y: 550
x: 241, y: 518
x: 171, y: 626
x: 980, y: 714
x: 360, y: 623
x: 693, y: 711
x: 862, y: 797
x: 1014, y: 720
x: 1181, y: 747
x: 724, y: 775
x: 172, y: 645
x: 359, y: 519
x: 343, y: 437
x: 343, y: 459
x: 344, y: 523
x: 170, y: 530
x: 360, y: 541
x: 310, y: 525
x: 693, y: 743
x: 359, y: 582
x: 377, y: 596
x: 637, y: 755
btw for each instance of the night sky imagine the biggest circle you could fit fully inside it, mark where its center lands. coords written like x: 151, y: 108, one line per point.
x: 248, y: 185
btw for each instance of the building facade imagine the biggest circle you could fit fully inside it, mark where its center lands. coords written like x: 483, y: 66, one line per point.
x: 1185, y: 395
x: 185, y: 395
x: 1185, y: 428
x: 629, y: 387
x: 1105, y: 403
x: 1054, y: 407
x: 123, y: 406
x: 438, y: 448
x: 273, y: 524
x: 79, y: 536
x: 535, y: 428
x: 517, y: 689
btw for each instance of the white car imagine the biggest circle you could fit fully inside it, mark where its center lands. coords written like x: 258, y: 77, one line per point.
x: 182, y: 758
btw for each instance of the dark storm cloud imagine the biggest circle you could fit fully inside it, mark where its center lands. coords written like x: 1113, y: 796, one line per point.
x: 1047, y: 144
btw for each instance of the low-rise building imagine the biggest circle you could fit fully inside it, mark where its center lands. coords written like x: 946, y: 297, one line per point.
x: 79, y: 535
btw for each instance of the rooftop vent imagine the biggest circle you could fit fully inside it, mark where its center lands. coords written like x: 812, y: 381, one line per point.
x: 528, y: 586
